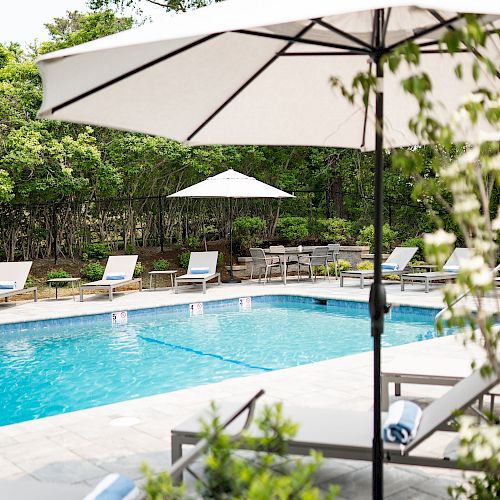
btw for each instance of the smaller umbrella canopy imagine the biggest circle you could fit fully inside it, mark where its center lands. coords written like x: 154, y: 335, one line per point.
x: 231, y: 184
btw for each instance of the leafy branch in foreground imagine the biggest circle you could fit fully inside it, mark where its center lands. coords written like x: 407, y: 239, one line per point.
x: 460, y: 169
x: 265, y: 471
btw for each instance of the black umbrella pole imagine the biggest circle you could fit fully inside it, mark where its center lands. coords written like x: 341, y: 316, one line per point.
x: 231, y: 279
x: 377, y: 292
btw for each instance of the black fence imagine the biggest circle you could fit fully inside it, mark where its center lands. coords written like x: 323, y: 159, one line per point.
x: 64, y: 228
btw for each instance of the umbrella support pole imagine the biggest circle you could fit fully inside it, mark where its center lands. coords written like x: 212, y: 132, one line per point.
x: 231, y: 279
x: 378, y: 306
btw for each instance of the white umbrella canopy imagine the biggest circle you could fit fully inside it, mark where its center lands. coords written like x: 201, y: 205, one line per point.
x: 231, y: 184
x: 259, y: 72
x: 256, y: 72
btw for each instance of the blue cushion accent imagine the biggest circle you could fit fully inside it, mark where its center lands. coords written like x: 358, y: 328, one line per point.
x: 116, y: 276
x: 7, y: 285
x: 387, y: 266
x: 200, y: 270
x: 451, y: 269
x: 117, y: 490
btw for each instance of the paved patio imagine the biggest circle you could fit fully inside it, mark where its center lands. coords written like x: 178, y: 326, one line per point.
x: 79, y: 448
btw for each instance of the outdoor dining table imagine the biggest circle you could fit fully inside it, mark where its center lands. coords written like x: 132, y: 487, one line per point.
x: 282, y: 256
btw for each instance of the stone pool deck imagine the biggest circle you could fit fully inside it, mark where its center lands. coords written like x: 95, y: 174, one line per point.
x: 73, y: 451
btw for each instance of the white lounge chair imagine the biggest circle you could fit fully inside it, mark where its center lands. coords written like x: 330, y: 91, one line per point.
x: 425, y: 366
x: 202, y: 268
x: 119, y: 272
x: 449, y: 273
x: 339, y: 433
x: 399, y: 259
x: 13, y: 276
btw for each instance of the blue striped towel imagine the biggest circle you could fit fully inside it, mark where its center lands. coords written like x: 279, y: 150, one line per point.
x: 402, y: 422
x: 115, y: 487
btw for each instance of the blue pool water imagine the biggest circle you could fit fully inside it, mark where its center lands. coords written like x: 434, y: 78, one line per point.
x: 53, y: 367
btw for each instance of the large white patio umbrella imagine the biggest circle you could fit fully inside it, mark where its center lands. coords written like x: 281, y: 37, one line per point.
x: 258, y: 72
x: 231, y: 184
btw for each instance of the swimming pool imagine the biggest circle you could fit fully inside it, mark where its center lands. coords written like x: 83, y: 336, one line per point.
x: 57, y: 366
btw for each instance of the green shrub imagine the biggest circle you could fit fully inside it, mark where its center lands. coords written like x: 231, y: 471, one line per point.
x: 92, y: 271
x: 292, y: 229
x: 343, y: 265
x: 58, y: 273
x: 30, y: 282
x: 130, y: 249
x: 248, y: 231
x: 192, y: 242
x: 138, y: 270
x: 335, y: 230
x: 416, y: 242
x: 161, y: 265
x: 365, y: 265
x: 95, y: 251
x: 367, y: 236
x: 184, y: 259
x: 220, y: 259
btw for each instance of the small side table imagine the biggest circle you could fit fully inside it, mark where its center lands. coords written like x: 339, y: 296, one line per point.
x: 58, y: 281
x: 172, y: 272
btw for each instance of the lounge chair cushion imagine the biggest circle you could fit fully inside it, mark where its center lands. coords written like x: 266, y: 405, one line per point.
x: 200, y: 270
x: 116, y: 276
x: 115, y: 487
x: 387, y: 266
x: 7, y: 285
x: 451, y: 269
x: 402, y: 422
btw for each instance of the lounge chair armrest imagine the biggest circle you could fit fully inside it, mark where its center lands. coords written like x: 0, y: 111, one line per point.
x: 184, y: 462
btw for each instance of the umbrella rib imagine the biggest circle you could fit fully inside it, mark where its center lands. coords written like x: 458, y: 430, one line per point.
x: 343, y: 34
x: 365, y: 117
x: 306, y: 41
x: 422, y: 33
x: 344, y: 53
x: 452, y: 28
x: 132, y: 72
x: 247, y: 82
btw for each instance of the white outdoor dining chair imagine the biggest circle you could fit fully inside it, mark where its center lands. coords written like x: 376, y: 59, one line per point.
x: 319, y: 257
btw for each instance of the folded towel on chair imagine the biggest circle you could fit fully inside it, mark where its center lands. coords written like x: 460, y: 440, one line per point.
x: 200, y: 270
x: 7, y: 285
x: 402, y: 422
x: 451, y: 269
x: 115, y: 487
x: 116, y: 276
x: 388, y: 266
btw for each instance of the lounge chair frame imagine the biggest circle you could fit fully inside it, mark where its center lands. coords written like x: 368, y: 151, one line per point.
x: 124, y: 261
x: 11, y: 293
x: 198, y: 259
x: 426, y: 278
x: 111, y: 288
x: 401, y: 255
x: 17, y: 271
x: 345, y: 434
x: 432, y: 276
